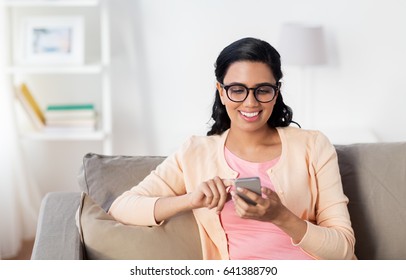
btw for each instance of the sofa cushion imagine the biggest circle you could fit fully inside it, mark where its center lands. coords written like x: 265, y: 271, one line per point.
x: 374, y: 179
x: 104, y: 238
x: 106, y: 177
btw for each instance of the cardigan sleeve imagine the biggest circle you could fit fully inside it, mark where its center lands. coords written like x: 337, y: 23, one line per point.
x: 136, y: 206
x: 332, y: 236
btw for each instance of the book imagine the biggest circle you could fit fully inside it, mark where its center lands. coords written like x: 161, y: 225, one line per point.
x: 70, y: 112
x: 68, y: 129
x: 71, y: 117
x: 31, y: 106
x: 70, y: 107
x: 72, y: 122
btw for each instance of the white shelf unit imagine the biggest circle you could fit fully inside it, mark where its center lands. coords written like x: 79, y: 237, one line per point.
x: 101, y: 68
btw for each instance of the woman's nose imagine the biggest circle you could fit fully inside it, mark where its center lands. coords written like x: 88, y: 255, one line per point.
x: 251, y: 101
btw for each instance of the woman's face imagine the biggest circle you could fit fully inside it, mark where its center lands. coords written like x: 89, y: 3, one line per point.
x: 249, y: 115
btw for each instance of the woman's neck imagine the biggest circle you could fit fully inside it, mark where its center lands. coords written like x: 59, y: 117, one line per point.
x: 256, y: 146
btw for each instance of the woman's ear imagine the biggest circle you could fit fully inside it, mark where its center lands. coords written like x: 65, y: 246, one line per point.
x: 220, y: 90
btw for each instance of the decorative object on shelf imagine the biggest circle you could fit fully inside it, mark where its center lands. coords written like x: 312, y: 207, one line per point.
x: 31, y: 106
x: 52, y: 40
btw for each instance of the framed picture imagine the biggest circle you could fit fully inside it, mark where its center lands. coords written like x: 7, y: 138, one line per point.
x: 53, y: 40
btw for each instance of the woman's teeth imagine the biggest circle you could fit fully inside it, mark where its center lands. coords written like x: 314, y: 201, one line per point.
x: 250, y: 115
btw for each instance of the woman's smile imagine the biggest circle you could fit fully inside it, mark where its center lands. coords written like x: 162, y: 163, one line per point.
x: 250, y: 116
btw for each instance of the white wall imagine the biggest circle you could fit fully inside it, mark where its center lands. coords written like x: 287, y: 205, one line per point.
x: 164, y: 76
x: 163, y: 73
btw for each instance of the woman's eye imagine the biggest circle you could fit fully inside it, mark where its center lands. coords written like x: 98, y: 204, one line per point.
x: 265, y: 90
x: 237, y: 90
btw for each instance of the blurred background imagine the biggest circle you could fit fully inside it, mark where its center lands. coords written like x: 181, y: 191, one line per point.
x: 162, y: 84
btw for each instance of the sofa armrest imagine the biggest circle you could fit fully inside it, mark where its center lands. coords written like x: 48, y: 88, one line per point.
x: 57, y: 236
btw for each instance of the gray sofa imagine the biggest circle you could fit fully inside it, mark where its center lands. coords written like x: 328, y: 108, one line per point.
x: 373, y: 175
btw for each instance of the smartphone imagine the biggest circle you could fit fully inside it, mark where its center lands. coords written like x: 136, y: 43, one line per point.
x: 251, y: 183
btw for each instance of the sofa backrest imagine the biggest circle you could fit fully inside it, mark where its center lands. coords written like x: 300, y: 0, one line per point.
x: 374, y: 179
x: 373, y: 175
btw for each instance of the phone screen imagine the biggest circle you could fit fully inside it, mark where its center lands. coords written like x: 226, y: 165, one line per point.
x: 252, y: 183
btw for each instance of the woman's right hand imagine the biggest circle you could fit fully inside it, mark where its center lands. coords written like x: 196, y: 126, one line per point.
x: 212, y: 193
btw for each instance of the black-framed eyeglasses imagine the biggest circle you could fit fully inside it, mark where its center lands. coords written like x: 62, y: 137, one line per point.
x: 263, y: 93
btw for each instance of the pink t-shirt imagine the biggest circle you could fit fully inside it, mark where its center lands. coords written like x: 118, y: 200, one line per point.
x: 251, y: 239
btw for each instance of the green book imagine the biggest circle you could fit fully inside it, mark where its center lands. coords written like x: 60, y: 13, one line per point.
x: 68, y: 107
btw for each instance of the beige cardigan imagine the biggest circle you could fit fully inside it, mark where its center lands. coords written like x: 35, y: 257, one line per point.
x: 306, y: 178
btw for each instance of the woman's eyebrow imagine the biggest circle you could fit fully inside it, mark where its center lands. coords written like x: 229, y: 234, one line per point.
x: 255, y: 85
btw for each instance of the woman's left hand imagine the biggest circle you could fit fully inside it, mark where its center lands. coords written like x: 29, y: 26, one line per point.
x: 268, y: 208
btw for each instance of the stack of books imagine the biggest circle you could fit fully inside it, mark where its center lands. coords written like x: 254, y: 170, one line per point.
x: 58, y: 117
x: 75, y: 117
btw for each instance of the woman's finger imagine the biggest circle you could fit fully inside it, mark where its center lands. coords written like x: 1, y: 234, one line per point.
x: 223, y: 187
x: 214, y: 196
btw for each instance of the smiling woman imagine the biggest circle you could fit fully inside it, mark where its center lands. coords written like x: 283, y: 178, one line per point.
x: 302, y: 210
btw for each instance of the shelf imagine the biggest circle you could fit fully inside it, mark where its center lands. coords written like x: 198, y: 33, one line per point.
x: 97, y: 19
x: 81, y: 69
x: 50, y: 3
x: 61, y: 136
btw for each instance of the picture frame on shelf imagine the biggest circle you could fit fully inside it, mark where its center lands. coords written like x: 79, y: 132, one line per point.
x: 50, y: 40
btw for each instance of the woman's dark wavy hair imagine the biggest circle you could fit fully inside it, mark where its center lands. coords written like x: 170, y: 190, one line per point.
x: 255, y: 50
